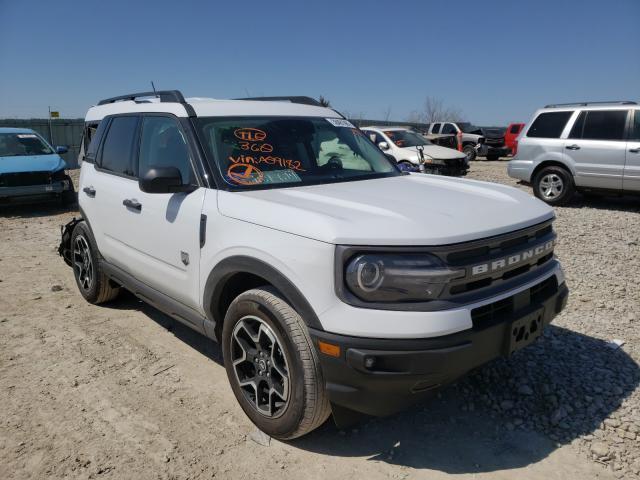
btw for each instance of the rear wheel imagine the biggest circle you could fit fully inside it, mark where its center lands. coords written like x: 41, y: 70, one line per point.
x: 554, y: 185
x: 470, y: 151
x: 93, y: 284
x: 272, y: 365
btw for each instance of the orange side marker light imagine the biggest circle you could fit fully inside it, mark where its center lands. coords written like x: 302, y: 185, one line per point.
x: 329, y: 349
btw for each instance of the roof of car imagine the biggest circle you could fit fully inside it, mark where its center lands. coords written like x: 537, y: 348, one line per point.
x: 209, y: 107
x: 383, y: 128
x: 15, y: 130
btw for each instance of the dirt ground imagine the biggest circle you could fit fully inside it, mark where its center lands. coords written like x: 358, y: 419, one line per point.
x: 123, y: 392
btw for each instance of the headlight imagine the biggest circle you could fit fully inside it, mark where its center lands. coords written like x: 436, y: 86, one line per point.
x: 398, y: 277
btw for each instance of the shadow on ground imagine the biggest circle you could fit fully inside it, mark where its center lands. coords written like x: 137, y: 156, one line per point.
x: 36, y: 209
x: 483, y: 423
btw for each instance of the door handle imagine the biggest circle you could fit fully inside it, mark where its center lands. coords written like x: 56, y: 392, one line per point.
x: 133, y: 204
x: 90, y: 191
x: 634, y: 150
x: 573, y: 147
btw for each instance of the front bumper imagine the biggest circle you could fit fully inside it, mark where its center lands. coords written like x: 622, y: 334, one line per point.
x: 35, y: 190
x: 405, y: 371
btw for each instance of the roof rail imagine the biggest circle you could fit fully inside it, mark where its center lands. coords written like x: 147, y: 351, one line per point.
x: 172, y: 96
x: 294, y: 99
x: 585, y: 104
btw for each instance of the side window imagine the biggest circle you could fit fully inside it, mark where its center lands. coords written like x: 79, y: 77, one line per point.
x: 118, y: 146
x: 379, y: 138
x: 163, y: 145
x: 549, y: 125
x: 91, y: 144
x: 436, y: 128
x: 604, y: 125
x: 515, y: 129
x: 448, y: 128
x: 635, y: 127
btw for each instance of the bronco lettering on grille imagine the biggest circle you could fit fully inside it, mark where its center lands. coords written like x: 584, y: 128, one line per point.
x: 505, y: 262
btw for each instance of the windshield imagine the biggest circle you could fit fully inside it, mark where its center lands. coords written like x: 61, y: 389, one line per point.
x: 21, y: 144
x: 406, y: 138
x: 469, y: 128
x: 258, y: 152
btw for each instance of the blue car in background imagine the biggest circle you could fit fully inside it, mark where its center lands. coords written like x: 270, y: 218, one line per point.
x: 30, y: 169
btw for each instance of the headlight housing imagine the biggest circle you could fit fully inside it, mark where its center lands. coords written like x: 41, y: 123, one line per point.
x: 387, y: 277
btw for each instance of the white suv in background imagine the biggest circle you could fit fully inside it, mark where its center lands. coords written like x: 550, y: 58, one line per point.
x: 589, y: 147
x: 334, y: 282
x: 412, y: 149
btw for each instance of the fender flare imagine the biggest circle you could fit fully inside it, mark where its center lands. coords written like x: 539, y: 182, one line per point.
x: 230, y: 266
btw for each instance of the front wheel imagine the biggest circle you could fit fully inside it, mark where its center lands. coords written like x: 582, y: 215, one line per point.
x: 554, y: 185
x: 272, y: 365
x: 470, y: 151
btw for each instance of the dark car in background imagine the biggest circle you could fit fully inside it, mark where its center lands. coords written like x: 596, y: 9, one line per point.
x: 494, y: 145
x: 32, y: 170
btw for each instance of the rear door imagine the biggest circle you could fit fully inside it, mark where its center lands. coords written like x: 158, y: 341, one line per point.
x: 596, y: 145
x: 631, y: 181
x: 163, y: 237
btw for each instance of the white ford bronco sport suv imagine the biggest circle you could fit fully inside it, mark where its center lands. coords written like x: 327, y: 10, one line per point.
x: 591, y: 147
x: 335, y: 283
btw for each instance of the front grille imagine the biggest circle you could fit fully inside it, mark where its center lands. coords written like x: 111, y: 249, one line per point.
x: 24, y: 179
x: 500, y: 311
x: 494, y: 250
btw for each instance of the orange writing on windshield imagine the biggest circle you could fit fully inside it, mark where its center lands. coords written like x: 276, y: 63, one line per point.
x: 250, y: 134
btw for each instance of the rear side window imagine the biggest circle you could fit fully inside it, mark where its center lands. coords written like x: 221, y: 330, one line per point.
x: 604, y: 125
x: 515, y: 129
x: 436, y: 128
x: 118, y: 147
x: 549, y: 125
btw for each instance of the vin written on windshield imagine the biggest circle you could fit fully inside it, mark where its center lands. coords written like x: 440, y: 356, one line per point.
x: 267, y: 152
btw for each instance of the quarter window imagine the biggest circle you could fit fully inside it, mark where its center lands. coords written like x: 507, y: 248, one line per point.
x: 635, y: 128
x: 515, y: 129
x: 549, y: 125
x: 163, y: 145
x: 117, y: 152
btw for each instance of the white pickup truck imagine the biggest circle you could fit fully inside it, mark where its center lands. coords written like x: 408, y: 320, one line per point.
x: 335, y: 283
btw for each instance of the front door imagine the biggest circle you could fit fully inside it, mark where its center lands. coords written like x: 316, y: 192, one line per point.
x: 597, y: 147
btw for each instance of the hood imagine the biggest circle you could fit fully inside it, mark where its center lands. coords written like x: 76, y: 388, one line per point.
x: 31, y: 163
x: 414, y: 209
x: 438, y: 152
x: 493, y: 133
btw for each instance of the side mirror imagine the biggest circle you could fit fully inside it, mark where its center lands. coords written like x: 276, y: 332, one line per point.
x: 383, y: 146
x: 163, y: 180
x: 60, y: 149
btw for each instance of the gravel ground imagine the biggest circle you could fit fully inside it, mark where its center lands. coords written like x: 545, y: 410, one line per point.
x: 122, y: 391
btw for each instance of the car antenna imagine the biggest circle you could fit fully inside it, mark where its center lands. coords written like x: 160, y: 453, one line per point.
x: 154, y: 88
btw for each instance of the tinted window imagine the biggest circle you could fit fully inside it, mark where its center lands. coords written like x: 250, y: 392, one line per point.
x: 635, y: 128
x: 94, y: 141
x: 448, y: 128
x: 117, y: 151
x: 576, y: 130
x: 515, y: 129
x: 436, y: 128
x: 163, y: 145
x: 549, y: 125
x: 604, y: 125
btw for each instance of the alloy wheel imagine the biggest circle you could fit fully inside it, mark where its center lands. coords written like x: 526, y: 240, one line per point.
x: 82, y: 263
x: 260, y: 366
x: 551, y: 186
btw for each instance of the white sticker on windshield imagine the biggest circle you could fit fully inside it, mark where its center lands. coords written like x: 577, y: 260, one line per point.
x: 26, y: 135
x: 340, y: 122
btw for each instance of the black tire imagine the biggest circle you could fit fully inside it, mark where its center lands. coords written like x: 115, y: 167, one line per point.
x: 307, y: 404
x: 95, y: 286
x: 470, y: 151
x: 560, y: 195
x: 492, y: 158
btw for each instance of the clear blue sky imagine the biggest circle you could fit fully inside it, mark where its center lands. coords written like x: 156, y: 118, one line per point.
x: 496, y: 60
